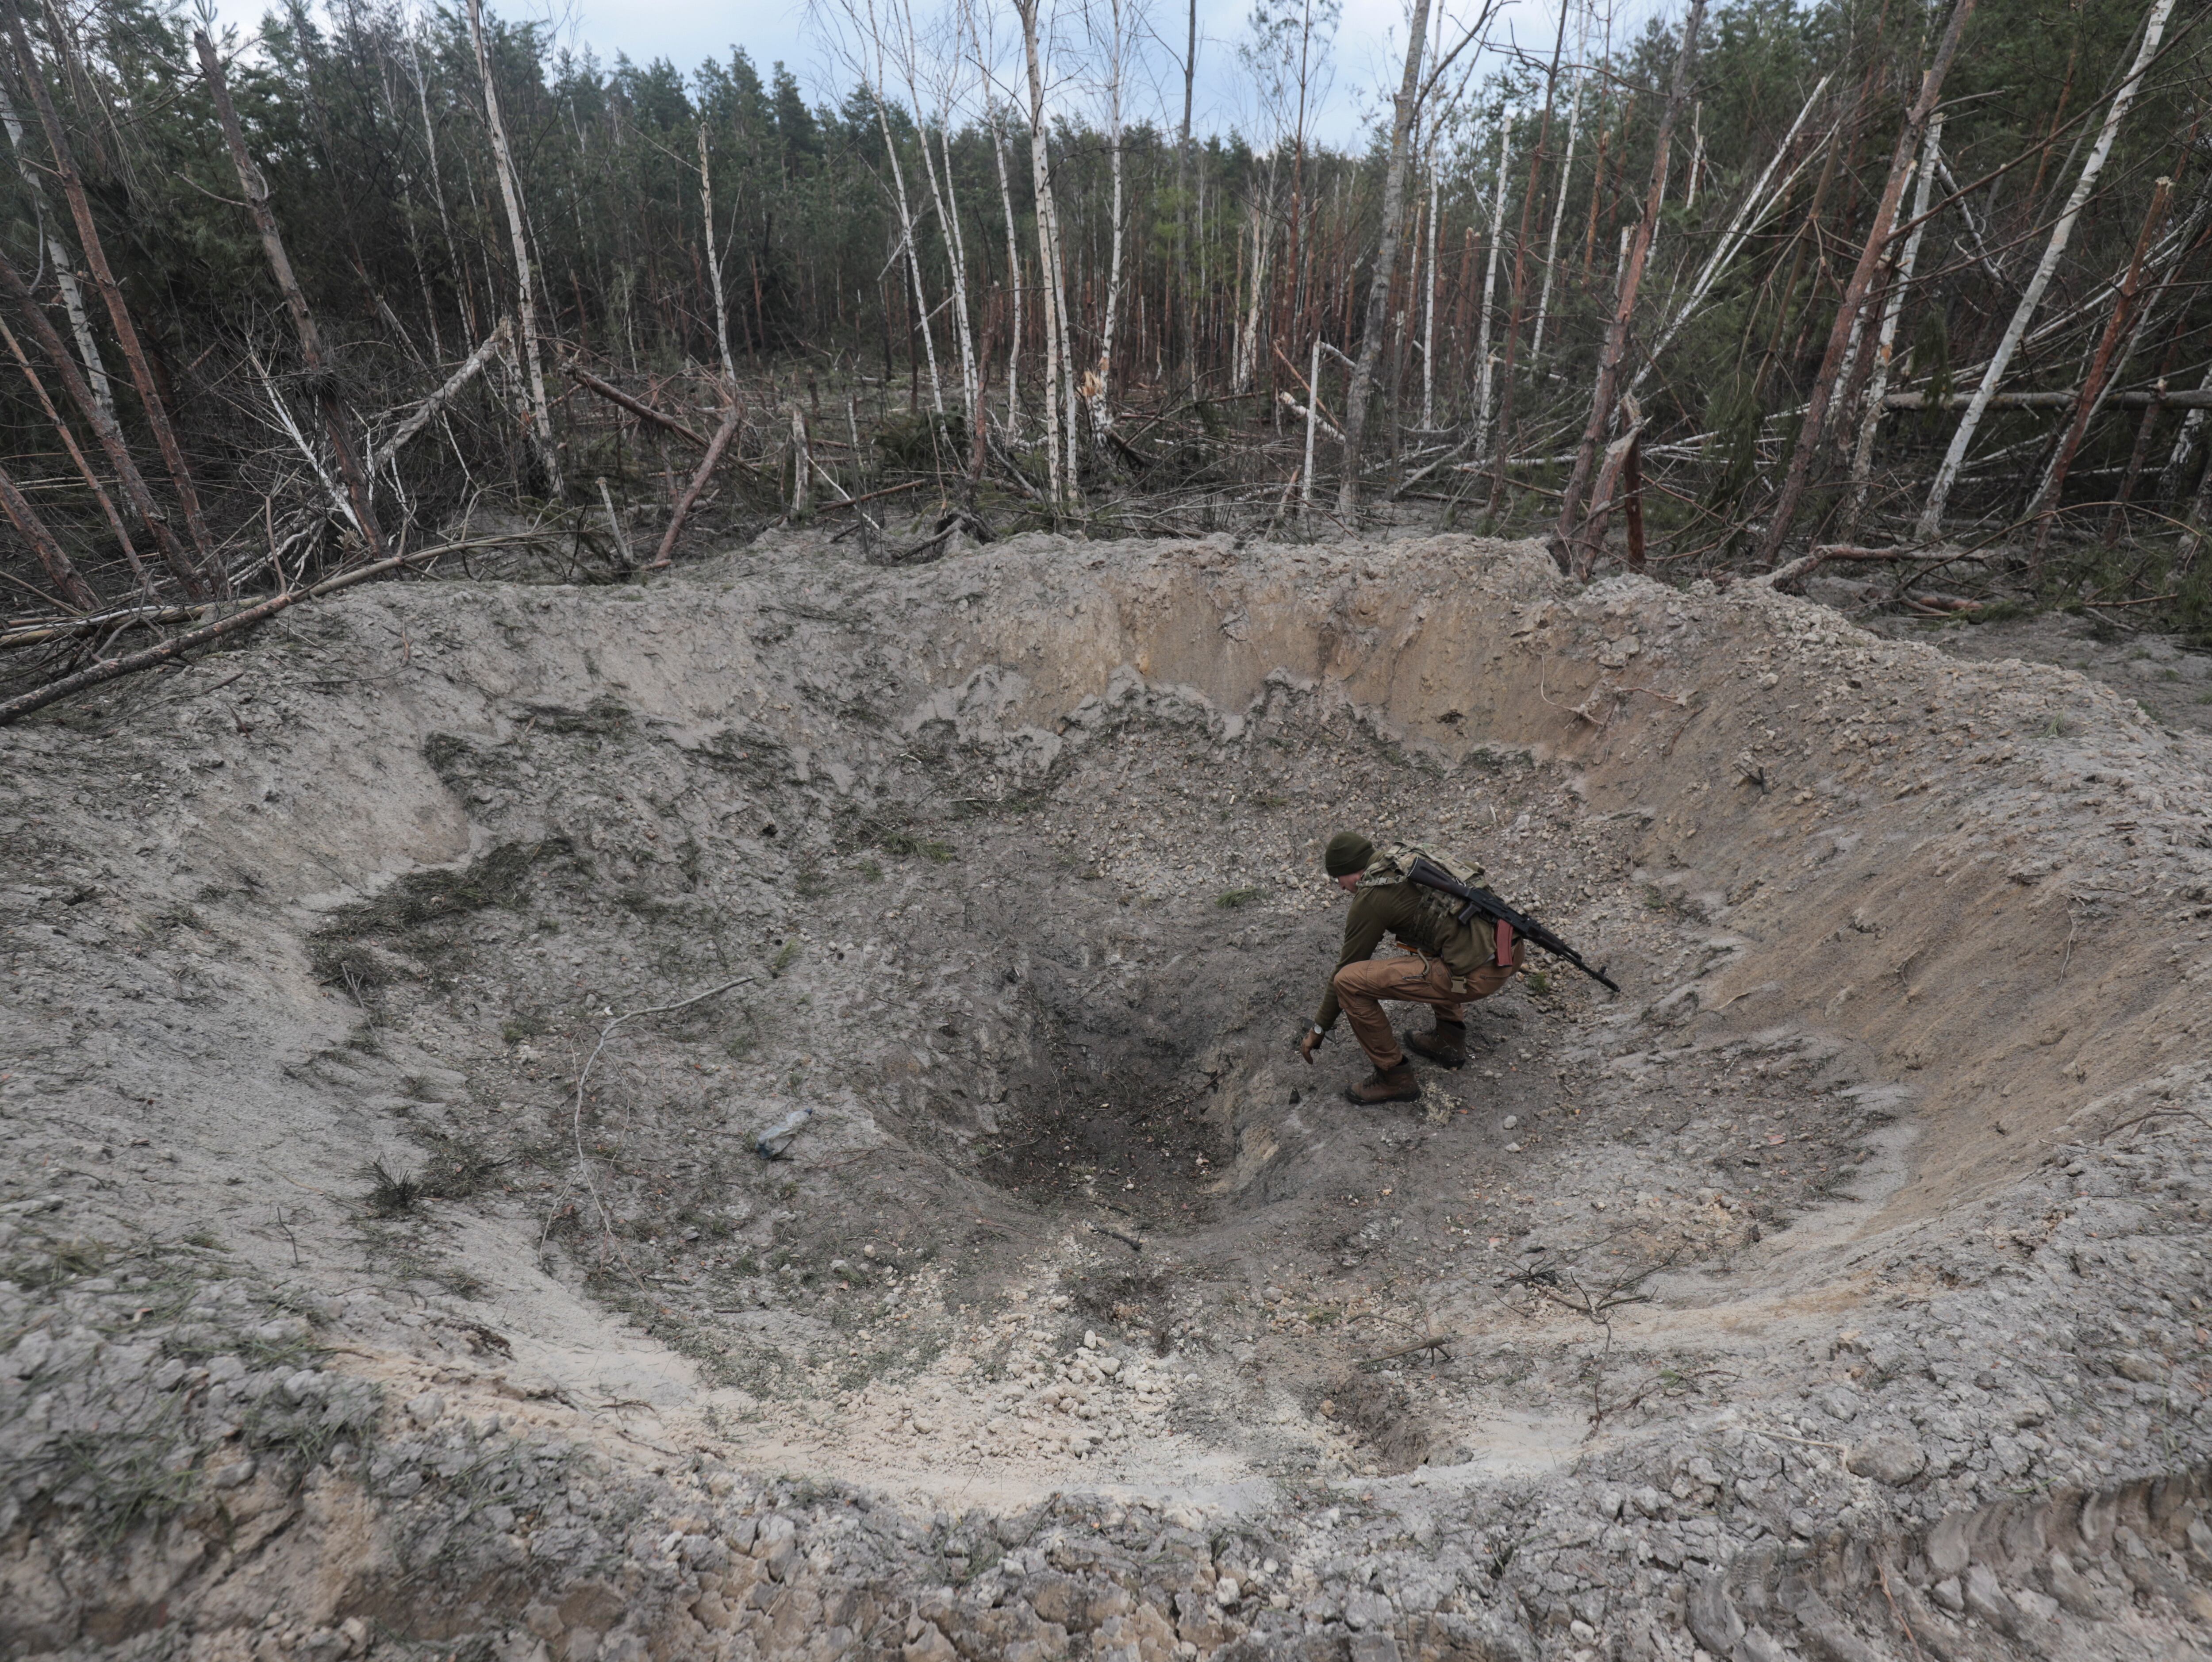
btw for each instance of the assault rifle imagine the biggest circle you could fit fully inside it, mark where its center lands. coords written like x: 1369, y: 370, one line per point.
x: 1429, y: 875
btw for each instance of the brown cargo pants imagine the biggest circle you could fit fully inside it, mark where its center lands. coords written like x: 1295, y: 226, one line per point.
x: 1406, y: 976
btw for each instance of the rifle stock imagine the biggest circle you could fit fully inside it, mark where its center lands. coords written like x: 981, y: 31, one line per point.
x: 1482, y: 902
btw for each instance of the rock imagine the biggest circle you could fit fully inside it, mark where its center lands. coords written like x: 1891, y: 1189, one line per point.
x: 1887, y: 1459
x: 929, y: 1645
x: 29, y: 1355
x: 1375, y: 1647
x: 1945, y: 1592
x: 1363, y: 1611
x: 1986, y: 1599
x: 2199, y: 1548
x: 1834, y: 1642
x: 1227, y: 1593
x: 1713, y: 1619
x: 2076, y: 1592
x: 306, y: 1385
x: 543, y: 1620
x: 1838, y: 1404
x: 2143, y: 1370
x: 1758, y: 1645
x: 1198, y: 1619
x: 1948, y: 1544
x: 713, y: 1613
x: 234, y: 1474
x: 2038, y: 1610
x: 1482, y: 1635
x: 2030, y: 1411
x: 425, y: 1408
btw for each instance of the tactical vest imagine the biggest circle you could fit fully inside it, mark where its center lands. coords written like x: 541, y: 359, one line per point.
x: 1438, y: 910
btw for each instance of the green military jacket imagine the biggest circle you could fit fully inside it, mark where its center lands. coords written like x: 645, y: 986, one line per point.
x: 1385, y: 903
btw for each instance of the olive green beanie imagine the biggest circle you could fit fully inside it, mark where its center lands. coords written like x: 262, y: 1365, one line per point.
x: 1347, y: 853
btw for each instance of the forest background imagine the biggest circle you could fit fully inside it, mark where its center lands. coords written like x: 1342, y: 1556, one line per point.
x: 1921, y: 288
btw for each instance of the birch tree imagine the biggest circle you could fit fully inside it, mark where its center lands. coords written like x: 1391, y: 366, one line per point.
x: 1059, y: 370
x: 526, y: 298
x: 59, y: 254
x: 715, y: 261
x: 1946, y: 474
x: 1560, y: 207
x: 1404, y: 108
x: 941, y: 193
x: 1484, y: 366
x: 1121, y: 22
x: 206, y: 568
x: 1568, y: 547
x: 1014, y: 284
x: 1884, y: 345
x: 1843, y: 333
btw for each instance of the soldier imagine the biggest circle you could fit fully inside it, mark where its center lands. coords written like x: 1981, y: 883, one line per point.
x: 1437, y: 960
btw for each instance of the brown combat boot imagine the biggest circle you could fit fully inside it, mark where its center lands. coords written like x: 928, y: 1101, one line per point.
x: 1386, y: 1085
x: 1445, y: 1044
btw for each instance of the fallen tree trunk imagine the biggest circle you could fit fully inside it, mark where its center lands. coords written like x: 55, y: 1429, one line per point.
x: 204, y: 570
x: 714, y: 449
x: 1843, y: 337
x: 75, y: 591
x: 427, y: 411
x: 115, y: 668
x: 2146, y: 398
x: 1962, y: 437
x: 362, y: 511
x: 643, y: 412
x: 1804, y: 565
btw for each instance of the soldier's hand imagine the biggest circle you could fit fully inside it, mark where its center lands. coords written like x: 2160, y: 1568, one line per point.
x: 1309, y: 1044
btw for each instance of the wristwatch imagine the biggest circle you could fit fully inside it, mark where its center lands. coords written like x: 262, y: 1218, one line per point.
x: 1319, y: 1031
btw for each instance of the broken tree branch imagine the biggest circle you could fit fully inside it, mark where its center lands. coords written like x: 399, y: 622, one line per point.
x: 427, y: 411
x: 114, y: 668
x: 714, y: 450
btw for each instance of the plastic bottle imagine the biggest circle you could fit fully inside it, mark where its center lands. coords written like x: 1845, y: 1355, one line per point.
x: 776, y: 1142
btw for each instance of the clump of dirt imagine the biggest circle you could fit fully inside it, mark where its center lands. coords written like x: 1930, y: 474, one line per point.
x: 1668, y: 1318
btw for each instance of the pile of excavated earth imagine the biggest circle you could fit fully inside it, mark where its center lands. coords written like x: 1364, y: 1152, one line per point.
x: 394, y: 1003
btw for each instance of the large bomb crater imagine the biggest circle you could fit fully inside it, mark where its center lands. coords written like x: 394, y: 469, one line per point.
x: 1867, y: 1209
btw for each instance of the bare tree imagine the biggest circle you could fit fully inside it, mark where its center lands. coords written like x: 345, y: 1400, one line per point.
x: 714, y: 261
x: 1411, y: 91
x: 942, y: 195
x: 1060, y: 364
x: 1014, y: 284
x: 1123, y: 22
x: 1884, y: 345
x: 1843, y: 336
x: 1946, y: 474
x: 525, y: 301
x: 319, y: 368
x: 203, y: 568
x: 1559, y: 208
x: 1485, y: 365
x: 70, y: 586
x: 104, y: 428
x: 1568, y: 546
x: 58, y: 254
